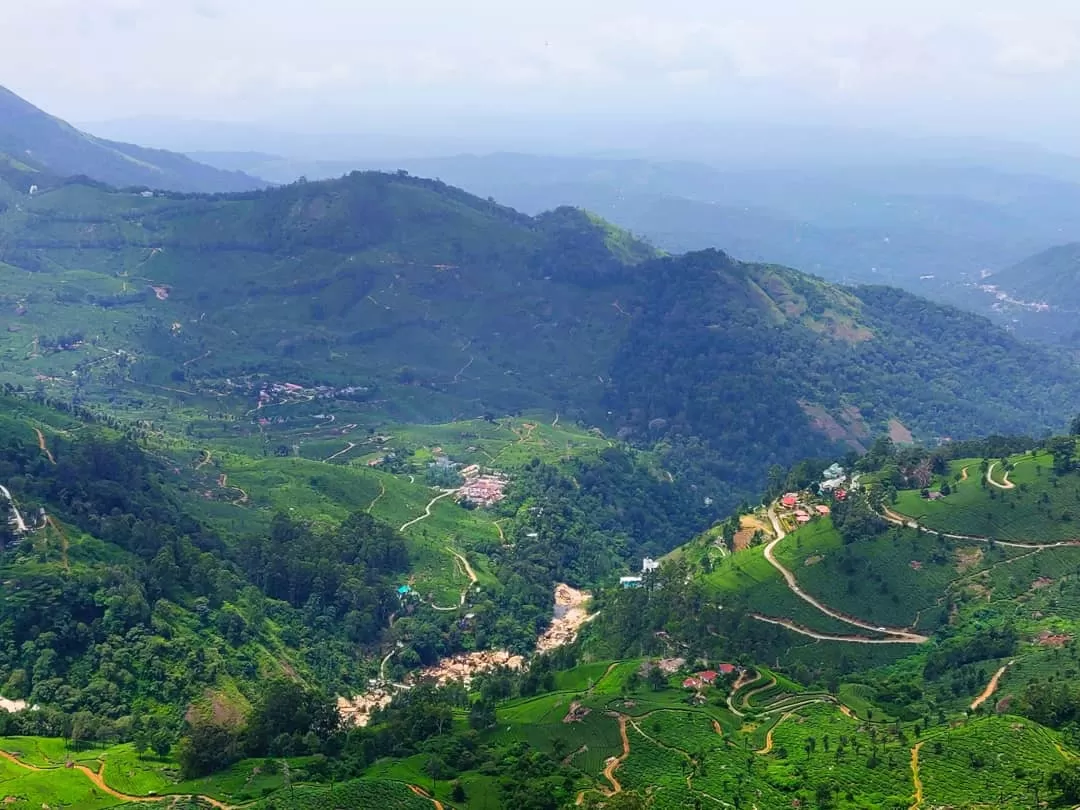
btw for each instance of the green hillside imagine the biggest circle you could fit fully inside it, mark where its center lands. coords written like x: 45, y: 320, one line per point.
x: 391, y: 298
x: 1050, y: 277
x: 53, y: 147
x: 1038, y: 295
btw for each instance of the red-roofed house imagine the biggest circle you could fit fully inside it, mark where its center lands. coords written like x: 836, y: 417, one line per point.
x: 691, y: 683
x: 822, y: 509
x: 841, y: 494
x: 789, y: 500
x: 708, y: 676
x: 803, y: 518
x: 725, y: 669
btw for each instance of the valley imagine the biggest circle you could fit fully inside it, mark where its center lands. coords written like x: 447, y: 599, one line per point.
x: 371, y: 492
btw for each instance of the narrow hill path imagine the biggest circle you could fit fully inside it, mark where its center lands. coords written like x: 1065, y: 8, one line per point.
x: 903, y: 520
x: 423, y: 794
x: 1006, y: 483
x: 614, y: 762
x: 991, y: 687
x: 384, y: 662
x: 915, y: 777
x: 204, y: 460
x: 427, y: 509
x: 375, y: 500
x: 743, y: 679
x: 42, y: 446
x: 463, y: 566
x: 963, y: 474
x: 769, y: 734
x: 97, y: 778
x: 349, y: 446
x: 745, y: 702
x: 907, y: 638
x: 899, y: 635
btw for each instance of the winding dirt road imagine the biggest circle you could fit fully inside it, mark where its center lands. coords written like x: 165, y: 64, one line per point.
x: 97, y: 778
x: 1006, y: 483
x: 614, y: 762
x: 898, y: 635
x: 375, y: 500
x: 743, y: 679
x: 427, y: 509
x: 745, y: 700
x: 467, y: 569
x: 915, y: 777
x: 349, y: 446
x: 805, y: 631
x: 769, y: 734
x: 910, y: 523
x: 423, y: 794
x: 991, y: 687
x: 43, y: 447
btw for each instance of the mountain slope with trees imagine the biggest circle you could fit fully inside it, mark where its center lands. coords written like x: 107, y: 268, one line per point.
x: 42, y: 142
x: 424, y: 302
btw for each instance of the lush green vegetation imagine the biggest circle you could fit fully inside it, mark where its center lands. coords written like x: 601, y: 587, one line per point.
x: 418, y: 302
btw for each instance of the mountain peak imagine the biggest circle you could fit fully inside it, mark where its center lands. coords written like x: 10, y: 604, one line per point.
x: 50, y: 144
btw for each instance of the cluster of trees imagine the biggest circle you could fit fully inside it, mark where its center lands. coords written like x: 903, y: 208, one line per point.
x: 149, y: 607
x: 286, y: 720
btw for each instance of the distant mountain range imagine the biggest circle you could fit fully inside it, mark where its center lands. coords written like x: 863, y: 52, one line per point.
x: 35, y: 141
x: 1038, y: 297
x: 425, y: 302
x: 931, y: 228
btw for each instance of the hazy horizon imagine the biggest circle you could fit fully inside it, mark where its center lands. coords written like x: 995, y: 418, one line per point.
x: 482, y: 69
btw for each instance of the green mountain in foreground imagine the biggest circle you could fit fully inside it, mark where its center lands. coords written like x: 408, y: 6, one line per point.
x: 182, y: 632
x: 36, y: 141
x: 384, y: 297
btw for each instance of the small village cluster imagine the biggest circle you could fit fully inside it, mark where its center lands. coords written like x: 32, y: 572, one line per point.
x: 482, y: 489
x: 835, y: 484
x: 706, y: 678
x: 479, y: 487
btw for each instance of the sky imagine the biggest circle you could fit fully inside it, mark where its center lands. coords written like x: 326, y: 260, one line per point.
x: 991, y: 67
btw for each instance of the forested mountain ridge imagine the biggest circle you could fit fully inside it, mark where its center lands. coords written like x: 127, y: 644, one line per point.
x: 1037, y: 296
x: 420, y: 301
x: 42, y: 142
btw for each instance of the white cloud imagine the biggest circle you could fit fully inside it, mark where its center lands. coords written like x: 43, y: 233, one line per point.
x: 92, y: 59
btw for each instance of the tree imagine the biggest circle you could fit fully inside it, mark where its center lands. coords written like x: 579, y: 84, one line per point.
x: 1066, y: 781
x: 161, y: 741
x: 206, y: 748
x: 1062, y: 448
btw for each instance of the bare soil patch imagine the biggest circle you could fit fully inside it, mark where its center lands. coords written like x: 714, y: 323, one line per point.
x: 899, y: 433
x: 968, y: 558
x: 571, y: 613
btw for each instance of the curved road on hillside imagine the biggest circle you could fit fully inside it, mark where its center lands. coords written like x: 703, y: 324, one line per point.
x: 427, y: 509
x: 899, y: 635
x: 910, y: 523
x: 1006, y: 483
